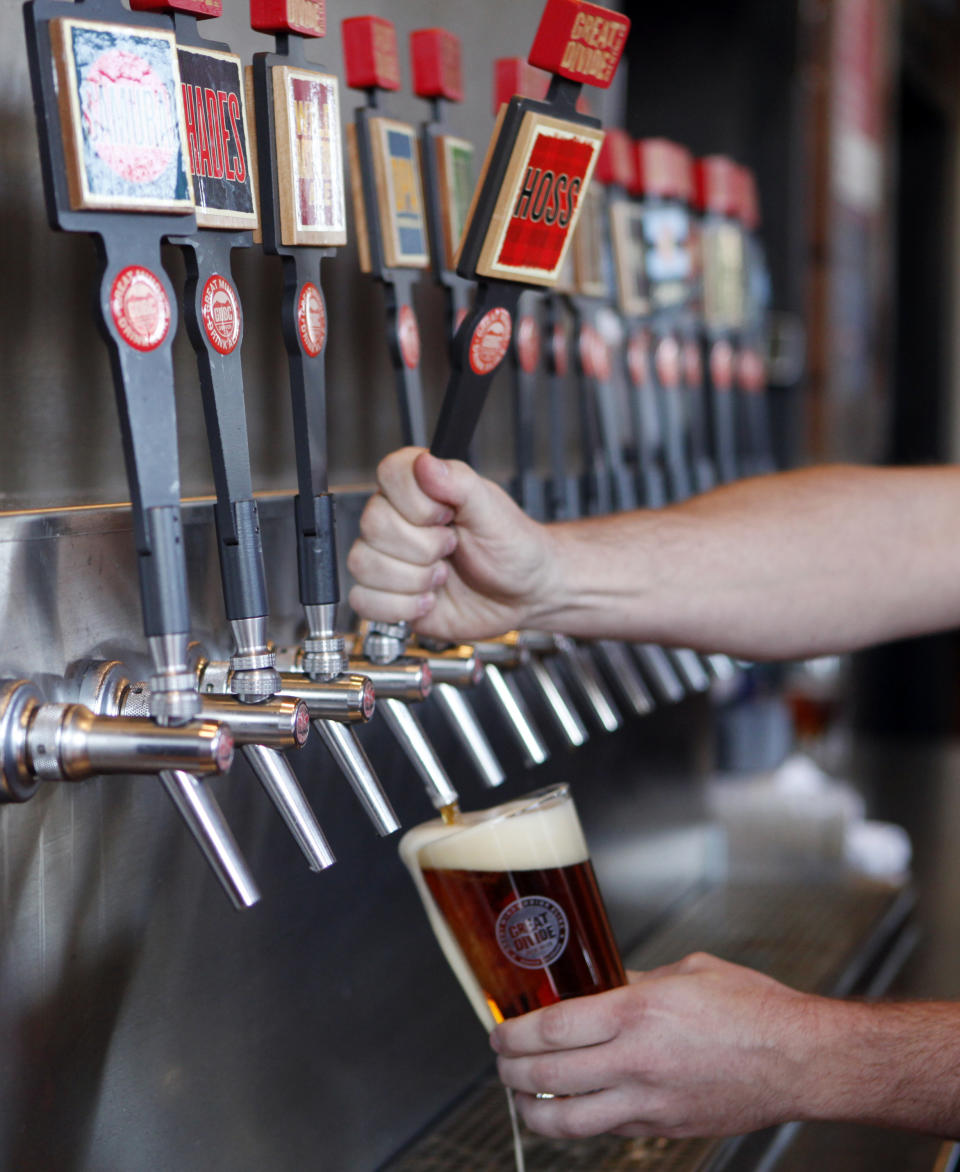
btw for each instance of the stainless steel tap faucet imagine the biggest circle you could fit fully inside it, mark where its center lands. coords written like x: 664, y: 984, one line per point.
x: 42, y: 741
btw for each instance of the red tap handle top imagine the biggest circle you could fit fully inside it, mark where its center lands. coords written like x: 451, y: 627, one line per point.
x: 579, y: 41
x: 437, y: 64
x: 749, y: 202
x: 617, y: 163
x: 514, y: 76
x: 664, y: 170
x: 717, y: 185
x: 370, y: 53
x: 199, y: 8
x: 308, y: 18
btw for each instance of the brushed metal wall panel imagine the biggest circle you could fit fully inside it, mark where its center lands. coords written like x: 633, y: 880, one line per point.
x: 143, y: 1023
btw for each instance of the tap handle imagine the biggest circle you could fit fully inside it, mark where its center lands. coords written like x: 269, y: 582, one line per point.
x: 275, y: 774
x: 204, y: 819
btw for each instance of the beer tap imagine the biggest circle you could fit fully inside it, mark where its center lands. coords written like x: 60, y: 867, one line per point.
x: 664, y: 356
x: 755, y: 442
x: 394, y: 247
x: 618, y: 239
x: 447, y: 165
x: 717, y: 197
x: 128, y: 209
x: 226, y: 216
x: 303, y: 215
x: 67, y: 741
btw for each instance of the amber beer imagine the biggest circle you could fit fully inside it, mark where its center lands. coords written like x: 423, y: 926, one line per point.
x: 515, y: 904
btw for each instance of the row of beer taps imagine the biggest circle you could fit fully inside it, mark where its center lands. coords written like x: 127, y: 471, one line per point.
x: 183, y: 723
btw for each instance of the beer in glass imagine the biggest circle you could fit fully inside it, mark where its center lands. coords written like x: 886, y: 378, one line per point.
x: 514, y: 902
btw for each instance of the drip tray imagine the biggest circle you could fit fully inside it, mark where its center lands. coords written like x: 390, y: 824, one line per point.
x: 823, y: 937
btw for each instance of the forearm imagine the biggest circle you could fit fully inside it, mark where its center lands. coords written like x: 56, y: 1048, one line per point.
x: 885, y: 1064
x: 821, y: 560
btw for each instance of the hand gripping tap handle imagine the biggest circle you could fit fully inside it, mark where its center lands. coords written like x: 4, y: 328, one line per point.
x: 69, y: 742
x: 136, y: 310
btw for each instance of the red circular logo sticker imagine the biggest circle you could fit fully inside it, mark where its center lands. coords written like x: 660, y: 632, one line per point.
x: 491, y: 338
x: 528, y: 343
x: 221, y: 314
x: 721, y: 365
x: 667, y: 361
x: 137, y: 153
x: 692, y: 365
x: 140, y: 308
x: 558, y: 347
x: 638, y: 358
x: 750, y: 371
x: 311, y: 319
x: 409, y: 337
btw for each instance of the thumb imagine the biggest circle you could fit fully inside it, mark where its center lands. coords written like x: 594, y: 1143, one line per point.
x: 449, y: 482
x: 478, y: 504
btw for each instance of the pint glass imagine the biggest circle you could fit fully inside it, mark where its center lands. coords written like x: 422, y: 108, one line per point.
x: 514, y: 902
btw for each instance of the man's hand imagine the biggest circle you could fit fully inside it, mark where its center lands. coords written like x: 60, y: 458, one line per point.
x: 701, y: 1048
x: 447, y: 550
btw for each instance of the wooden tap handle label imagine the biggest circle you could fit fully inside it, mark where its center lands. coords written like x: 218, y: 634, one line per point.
x: 215, y: 114
x: 437, y: 64
x: 309, y: 157
x: 626, y: 229
x: 121, y: 116
x: 400, y: 203
x: 221, y: 314
x: 311, y: 319
x: 140, y: 308
x: 589, y: 246
x: 537, y: 209
x: 582, y: 42
x: 306, y: 17
x: 490, y: 340
x: 455, y: 172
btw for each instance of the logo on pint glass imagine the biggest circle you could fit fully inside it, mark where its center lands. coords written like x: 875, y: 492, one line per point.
x: 532, y: 931
x: 220, y: 310
x: 139, y: 308
x: 311, y: 319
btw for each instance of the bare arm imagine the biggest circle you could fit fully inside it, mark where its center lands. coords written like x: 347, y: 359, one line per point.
x: 704, y: 1047
x: 801, y: 563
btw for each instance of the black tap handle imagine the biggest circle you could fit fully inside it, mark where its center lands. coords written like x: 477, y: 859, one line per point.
x: 478, y: 349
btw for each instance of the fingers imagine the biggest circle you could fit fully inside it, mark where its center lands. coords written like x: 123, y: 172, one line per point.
x: 583, y: 1021
x: 579, y: 1117
x: 567, y: 1072
x: 381, y: 606
x: 384, y: 529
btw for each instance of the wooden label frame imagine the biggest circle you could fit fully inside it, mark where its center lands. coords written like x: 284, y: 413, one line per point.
x: 530, y: 228
x: 121, y: 117
x: 457, y: 186
x: 218, y: 138
x: 668, y: 254
x: 306, y: 107
x: 629, y: 260
x: 589, y: 246
x: 723, y: 269
x: 400, y: 202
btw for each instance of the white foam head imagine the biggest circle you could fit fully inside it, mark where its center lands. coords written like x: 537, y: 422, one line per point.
x: 536, y: 832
